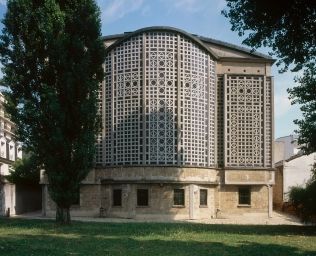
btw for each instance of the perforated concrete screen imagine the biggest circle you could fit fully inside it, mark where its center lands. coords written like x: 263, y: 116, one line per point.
x: 163, y: 104
x: 248, y: 121
x: 159, y: 102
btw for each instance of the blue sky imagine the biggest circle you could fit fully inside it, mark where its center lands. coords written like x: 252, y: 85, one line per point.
x: 200, y: 17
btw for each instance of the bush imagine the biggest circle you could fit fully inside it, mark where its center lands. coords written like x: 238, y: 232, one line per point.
x: 304, y: 201
x: 26, y: 171
x: 297, y: 196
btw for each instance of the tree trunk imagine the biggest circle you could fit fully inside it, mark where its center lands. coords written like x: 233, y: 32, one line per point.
x: 63, y: 215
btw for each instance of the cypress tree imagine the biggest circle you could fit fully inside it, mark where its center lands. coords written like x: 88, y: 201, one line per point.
x: 52, y: 55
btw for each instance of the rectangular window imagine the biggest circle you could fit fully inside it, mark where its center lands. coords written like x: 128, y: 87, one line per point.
x: 244, y: 195
x: 117, y: 197
x: 142, y: 197
x: 178, y: 197
x: 203, y: 197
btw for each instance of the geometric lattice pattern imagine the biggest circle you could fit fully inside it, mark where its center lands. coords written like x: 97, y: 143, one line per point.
x: 246, y: 105
x: 220, y: 120
x: 159, y: 102
x: 268, y: 122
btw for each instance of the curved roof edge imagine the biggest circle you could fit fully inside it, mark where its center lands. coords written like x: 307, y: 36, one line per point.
x: 196, y: 38
x: 128, y: 35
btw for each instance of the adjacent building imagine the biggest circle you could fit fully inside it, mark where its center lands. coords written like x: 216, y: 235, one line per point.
x: 10, y: 150
x: 187, y: 130
x: 292, y: 168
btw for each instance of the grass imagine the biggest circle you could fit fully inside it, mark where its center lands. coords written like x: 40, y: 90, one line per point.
x: 42, y: 237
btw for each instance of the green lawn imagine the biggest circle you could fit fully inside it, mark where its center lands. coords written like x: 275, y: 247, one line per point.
x: 35, y: 237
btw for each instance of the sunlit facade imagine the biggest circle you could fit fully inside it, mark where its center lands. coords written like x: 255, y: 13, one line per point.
x: 187, y: 129
x: 10, y: 151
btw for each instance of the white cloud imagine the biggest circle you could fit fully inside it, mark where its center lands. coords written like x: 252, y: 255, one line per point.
x: 282, y: 105
x: 116, y: 9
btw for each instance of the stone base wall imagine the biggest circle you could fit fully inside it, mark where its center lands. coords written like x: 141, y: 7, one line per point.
x: 229, y: 205
x: 96, y: 193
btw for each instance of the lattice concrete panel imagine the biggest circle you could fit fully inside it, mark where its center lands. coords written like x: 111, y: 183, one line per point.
x: 220, y: 120
x: 248, y: 130
x: 159, y: 102
x: 99, y: 142
x: 268, y: 122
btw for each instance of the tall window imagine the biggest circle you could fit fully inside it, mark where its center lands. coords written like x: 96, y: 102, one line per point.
x: 178, y: 197
x: 244, y: 195
x: 142, y: 197
x: 203, y: 197
x: 117, y: 197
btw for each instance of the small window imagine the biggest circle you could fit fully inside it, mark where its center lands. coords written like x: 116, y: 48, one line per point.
x: 178, y: 197
x: 142, y: 197
x: 203, y: 197
x: 244, y: 195
x: 117, y: 197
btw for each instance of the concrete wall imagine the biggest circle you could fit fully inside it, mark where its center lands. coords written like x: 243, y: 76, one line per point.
x: 160, y: 202
x: 278, y: 188
x: 96, y: 192
x: 289, y: 148
x: 279, y: 151
x: 228, y: 201
x: 222, y: 202
x: 7, y: 199
x: 28, y: 198
x: 2, y: 206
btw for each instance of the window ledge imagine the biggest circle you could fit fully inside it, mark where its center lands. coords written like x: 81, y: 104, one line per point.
x: 142, y: 206
x: 203, y: 206
x: 178, y: 206
x: 244, y: 205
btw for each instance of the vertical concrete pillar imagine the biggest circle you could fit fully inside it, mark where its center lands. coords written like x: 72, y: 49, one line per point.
x: 192, y: 212
x: 270, y: 206
x: 131, y: 201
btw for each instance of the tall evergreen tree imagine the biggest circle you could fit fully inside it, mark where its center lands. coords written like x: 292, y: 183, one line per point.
x: 52, y: 56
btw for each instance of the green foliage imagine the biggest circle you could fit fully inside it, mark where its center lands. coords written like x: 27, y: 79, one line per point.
x: 297, y: 195
x: 52, y: 55
x: 305, y: 95
x: 287, y: 26
x: 26, y: 171
x: 304, y: 200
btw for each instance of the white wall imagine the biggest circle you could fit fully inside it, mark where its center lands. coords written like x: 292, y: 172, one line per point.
x: 297, y: 172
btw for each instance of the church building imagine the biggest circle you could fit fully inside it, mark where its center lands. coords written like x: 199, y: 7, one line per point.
x: 187, y: 130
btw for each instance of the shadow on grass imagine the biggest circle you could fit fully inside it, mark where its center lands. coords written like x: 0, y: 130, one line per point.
x: 87, y: 245
x: 93, y: 228
x: 42, y: 237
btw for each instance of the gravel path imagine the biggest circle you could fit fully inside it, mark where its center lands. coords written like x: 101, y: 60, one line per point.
x: 278, y: 218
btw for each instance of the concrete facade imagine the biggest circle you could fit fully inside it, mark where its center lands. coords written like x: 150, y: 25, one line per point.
x: 187, y: 127
x: 292, y: 168
x: 96, y: 193
x: 10, y: 151
x: 285, y: 147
